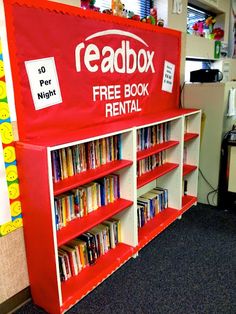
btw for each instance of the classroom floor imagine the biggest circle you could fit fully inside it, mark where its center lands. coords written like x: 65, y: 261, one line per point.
x: 189, y: 268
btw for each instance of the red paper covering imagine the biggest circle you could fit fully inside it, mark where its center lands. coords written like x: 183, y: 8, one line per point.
x: 45, y: 29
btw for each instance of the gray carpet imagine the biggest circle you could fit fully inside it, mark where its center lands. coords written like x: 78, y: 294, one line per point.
x: 189, y: 268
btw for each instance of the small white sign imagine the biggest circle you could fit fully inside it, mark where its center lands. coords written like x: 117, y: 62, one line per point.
x: 168, y: 77
x: 44, y: 82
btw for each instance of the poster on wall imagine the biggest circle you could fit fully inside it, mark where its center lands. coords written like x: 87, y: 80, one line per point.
x: 10, y: 209
x: 73, y: 69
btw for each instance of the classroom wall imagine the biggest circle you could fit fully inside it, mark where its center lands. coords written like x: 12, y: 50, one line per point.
x: 13, y: 274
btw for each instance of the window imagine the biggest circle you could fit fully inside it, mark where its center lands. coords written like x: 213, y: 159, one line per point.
x: 140, y: 7
x: 194, y: 15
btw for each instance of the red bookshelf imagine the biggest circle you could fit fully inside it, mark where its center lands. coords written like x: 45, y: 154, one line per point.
x: 156, y: 173
x: 156, y: 149
x: 80, y: 225
x: 39, y: 217
x: 89, y: 175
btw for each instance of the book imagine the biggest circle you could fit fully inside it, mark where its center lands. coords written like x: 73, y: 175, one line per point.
x: 82, y: 251
x: 91, y: 247
x: 69, y: 161
x: 76, y: 245
x: 110, y: 225
x: 66, y: 263
x: 72, y: 258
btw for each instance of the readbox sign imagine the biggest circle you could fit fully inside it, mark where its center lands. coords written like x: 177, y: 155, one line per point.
x: 75, y: 68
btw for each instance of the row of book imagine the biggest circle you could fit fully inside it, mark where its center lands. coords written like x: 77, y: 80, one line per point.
x: 85, y: 199
x: 150, y: 163
x: 84, y: 250
x: 153, y: 135
x: 67, y: 162
x: 150, y: 204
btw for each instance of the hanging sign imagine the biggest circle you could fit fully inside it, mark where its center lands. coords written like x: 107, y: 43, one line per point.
x: 74, y: 68
x: 43, y: 81
x: 168, y: 77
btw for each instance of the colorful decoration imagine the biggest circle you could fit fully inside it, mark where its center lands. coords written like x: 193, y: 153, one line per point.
x: 210, y: 22
x: 205, y: 28
x: 153, y: 13
x: 9, y: 160
x: 118, y: 8
x: 89, y: 5
x: 198, y: 28
x: 218, y: 33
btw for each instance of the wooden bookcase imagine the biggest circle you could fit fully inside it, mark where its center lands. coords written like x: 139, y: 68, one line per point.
x: 38, y: 192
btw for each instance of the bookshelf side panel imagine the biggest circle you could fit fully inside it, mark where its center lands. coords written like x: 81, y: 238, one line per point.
x: 128, y: 190
x: 38, y: 228
x: 192, y: 151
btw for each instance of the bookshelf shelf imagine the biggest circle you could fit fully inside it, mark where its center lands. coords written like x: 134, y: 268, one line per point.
x: 78, y: 286
x: 161, y: 221
x: 156, y: 173
x: 89, y: 175
x: 188, y: 169
x: 190, y: 136
x: 187, y: 202
x: 156, y: 149
x: 81, y: 225
x: 155, y: 226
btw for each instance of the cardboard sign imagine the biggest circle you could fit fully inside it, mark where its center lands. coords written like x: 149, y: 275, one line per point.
x: 109, y: 69
x: 44, y: 83
x: 168, y: 77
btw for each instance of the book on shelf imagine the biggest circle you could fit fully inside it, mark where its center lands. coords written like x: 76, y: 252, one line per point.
x: 163, y: 196
x: 152, y: 135
x: 76, y: 246
x: 89, y: 239
x: 150, y: 163
x: 72, y: 160
x: 85, y: 249
x: 65, y: 264
x: 150, y: 204
x: 85, y: 199
x: 71, y: 252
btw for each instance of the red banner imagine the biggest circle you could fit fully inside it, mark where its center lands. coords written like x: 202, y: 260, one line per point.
x: 74, y: 68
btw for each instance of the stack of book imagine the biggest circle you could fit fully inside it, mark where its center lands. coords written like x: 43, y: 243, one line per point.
x: 84, y: 250
x: 150, y: 204
x: 86, y: 199
x: 153, y: 135
x: 67, y: 162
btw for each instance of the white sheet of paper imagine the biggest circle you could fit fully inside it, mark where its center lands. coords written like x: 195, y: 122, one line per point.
x: 168, y: 77
x: 44, y: 84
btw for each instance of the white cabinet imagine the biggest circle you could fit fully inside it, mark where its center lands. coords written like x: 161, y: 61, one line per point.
x: 212, y: 99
